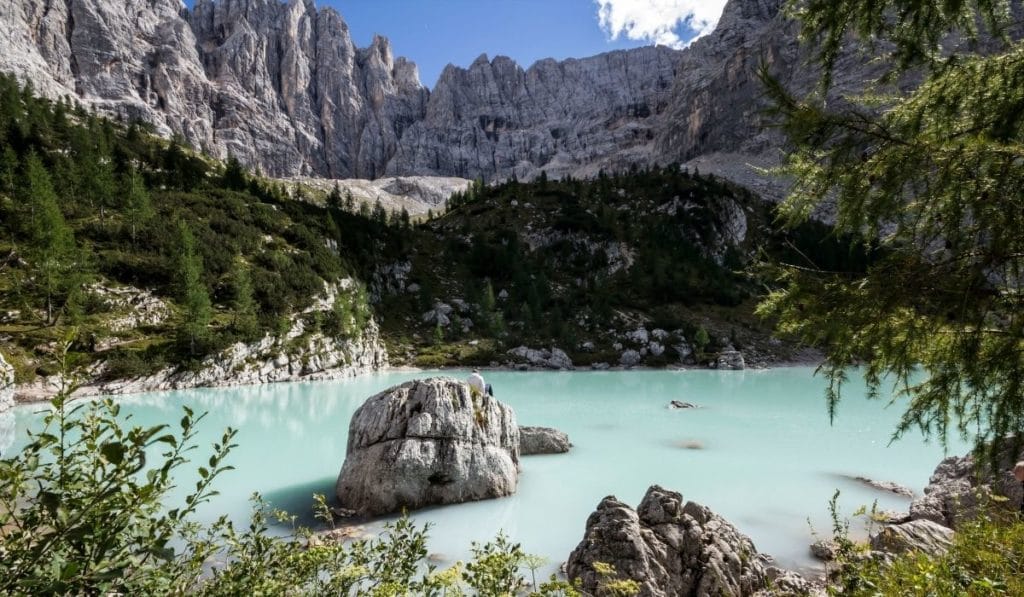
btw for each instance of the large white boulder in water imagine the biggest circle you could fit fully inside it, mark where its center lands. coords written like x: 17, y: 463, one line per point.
x: 428, y: 442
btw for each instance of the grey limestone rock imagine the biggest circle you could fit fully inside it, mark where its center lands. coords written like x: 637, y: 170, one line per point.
x: 282, y: 86
x: 888, y: 486
x: 731, y: 360
x: 962, y: 484
x: 549, y: 359
x: 428, y: 442
x: 917, y: 535
x: 824, y: 549
x: 630, y: 358
x: 542, y: 440
x: 671, y: 548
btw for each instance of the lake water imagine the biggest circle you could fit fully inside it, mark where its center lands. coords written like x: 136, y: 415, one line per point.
x: 770, y: 459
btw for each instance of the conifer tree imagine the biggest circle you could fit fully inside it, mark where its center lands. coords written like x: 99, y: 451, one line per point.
x: 931, y: 181
x: 191, y: 291
x: 234, y: 174
x: 243, y: 305
x: 138, y: 209
x: 52, y: 243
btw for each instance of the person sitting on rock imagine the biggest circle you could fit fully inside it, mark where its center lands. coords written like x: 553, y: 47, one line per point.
x: 476, y: 381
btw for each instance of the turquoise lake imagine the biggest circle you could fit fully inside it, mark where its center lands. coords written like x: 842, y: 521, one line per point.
x: 770, y: 461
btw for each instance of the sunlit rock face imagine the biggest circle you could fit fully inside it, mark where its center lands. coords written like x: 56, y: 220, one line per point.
x: 282, y: 86
x: 428, y: 442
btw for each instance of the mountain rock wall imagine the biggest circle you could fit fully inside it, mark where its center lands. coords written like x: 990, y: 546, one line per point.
x: 283, y: 87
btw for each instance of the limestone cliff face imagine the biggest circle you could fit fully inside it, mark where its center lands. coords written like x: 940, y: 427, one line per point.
x: 283, y: 87
x: 495, y: 119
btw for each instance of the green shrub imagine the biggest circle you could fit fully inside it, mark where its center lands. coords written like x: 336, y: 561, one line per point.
x: 985, y: 559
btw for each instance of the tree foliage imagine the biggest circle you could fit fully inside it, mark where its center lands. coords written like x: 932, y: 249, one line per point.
x: 931, y: 181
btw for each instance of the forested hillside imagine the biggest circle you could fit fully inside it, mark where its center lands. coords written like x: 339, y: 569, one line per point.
x: 153, y: 254
x: 157, y: 257
x: 583, y: 264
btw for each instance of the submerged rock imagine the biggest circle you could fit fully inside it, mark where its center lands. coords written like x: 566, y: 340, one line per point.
x: 542, y: 440
x: 680, y: 405
x: 428, y: 442
x: 673, y: 548
x: 889, y: 486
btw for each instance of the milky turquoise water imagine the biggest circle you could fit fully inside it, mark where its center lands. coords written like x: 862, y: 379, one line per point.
x: 770, y: 459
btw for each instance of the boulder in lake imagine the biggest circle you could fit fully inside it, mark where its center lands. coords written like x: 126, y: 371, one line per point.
x: 673, y: 548
x: 887, y: 486
x: 680, y: 405
x: 428, y: 442
x: 542, y: 440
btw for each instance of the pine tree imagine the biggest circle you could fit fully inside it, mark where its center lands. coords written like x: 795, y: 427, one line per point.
x: 191, y: 291
x: 8, y: 170
x: 243, y: 305
x: 334, y: 200
x: 234, y: 175
x: 104, y: 185
x: 138, y: 209
x: 52, y: 244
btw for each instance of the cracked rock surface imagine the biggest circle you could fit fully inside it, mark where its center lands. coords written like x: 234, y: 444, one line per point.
x: 428, y: 442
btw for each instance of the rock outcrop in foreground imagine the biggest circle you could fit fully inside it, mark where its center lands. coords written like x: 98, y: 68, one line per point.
x: 542, y: 440
x: 674, y: 548
x: 428, y: 442
x: 959, y: 486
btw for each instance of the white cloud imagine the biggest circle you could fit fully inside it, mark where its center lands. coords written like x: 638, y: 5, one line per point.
x: 658, y: 20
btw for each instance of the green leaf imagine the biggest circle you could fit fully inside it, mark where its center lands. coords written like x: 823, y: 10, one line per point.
x: 113, y: 452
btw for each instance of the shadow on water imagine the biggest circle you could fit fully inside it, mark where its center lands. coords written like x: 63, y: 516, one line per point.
x: 297, y: 500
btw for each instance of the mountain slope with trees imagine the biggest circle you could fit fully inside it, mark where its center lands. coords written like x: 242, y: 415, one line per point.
x: 153, y: 254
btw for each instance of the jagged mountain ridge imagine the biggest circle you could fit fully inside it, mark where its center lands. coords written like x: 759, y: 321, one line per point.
x: 283, y: 87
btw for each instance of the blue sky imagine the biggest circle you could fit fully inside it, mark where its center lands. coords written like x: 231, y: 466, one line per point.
x: 433, y: 33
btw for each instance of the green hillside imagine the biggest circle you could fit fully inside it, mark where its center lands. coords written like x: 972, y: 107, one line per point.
x: 155, y: 255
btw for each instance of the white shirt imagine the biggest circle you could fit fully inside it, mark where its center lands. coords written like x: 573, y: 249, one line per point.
x: 476, y: 381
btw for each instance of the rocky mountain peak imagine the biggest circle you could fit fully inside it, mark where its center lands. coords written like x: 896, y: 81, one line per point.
x: 283, y: 87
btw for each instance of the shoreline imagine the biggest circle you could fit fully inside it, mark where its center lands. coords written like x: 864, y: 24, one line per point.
x: 41, y: 391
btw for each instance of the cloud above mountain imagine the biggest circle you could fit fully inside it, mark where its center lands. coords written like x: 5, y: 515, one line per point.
x: 658, y: 21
